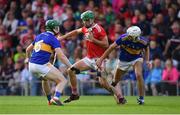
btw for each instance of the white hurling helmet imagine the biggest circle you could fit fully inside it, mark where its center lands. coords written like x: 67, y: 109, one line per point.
x: 134, y: 31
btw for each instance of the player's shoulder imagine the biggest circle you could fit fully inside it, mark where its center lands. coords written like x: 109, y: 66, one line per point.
x: 83, y: 29
x: 143, y: 40
x: 98, y: 27
x: 123, y: 37
x: 49, y: 37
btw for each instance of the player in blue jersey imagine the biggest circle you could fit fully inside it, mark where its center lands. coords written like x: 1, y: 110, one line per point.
x: 39, y: 62
x: 132, y: 48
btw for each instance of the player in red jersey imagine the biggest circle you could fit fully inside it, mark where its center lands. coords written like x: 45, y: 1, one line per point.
x: 96, y: 42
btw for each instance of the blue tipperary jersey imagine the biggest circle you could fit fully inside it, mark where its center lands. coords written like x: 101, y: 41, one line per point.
x: 44, y: 45
x: 131, y: 50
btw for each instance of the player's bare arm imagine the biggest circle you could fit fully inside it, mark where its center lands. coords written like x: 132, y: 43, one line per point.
x: 103, y: 42
x: 147, y: 57
x: 53, y: 58
x: 28, y: 52
x: 62, y: 57
x: 106, y: 53
x: 70, y: 34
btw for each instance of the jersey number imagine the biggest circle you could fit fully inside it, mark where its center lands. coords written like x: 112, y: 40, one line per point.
x: 37, y: 46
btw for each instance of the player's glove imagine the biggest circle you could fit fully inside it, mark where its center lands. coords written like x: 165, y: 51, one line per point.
x: 77, y: 71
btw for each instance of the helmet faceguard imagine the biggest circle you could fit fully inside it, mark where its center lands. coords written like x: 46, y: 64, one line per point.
x: 87, y: 18
x: 134, y: 32
x: 52, y: 26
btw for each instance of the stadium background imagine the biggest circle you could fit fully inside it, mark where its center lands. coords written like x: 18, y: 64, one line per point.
x: 22, y: 20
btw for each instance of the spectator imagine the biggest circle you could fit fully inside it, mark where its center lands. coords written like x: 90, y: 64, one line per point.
x: 6, y: 51
x: 81, y: 9
x: 14, y: 83
x: 39, y: 3
x: 103, y: 6
x: 39, y: 25
x: 163, y: 28
x: 144, y: 25
x: 149, y: 13
x: 155, y: 51
x: 135, y: 18
x: 115, y: 31
x: 10, y: 23
x: 153, y: 80
x: 7, y: 73
x: 170, y: 77
x: 22, y: 24
x: 3, y: 6
x: 171, y: 17
x: 20, y: 55
x: 27, y: 38
x: 174, y: 42
x: 3, y: 37
x: 109, y: 15
x: 26, y: 78
x: 91, y: 5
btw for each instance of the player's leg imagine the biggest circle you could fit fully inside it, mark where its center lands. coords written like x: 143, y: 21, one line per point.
x: 118, y: 92
x: 46, y: 90
x: 119, y: 95
x: 55, y: 75
x: 140, y: 80
x: 75, y: 69
x: 49, y: 72
x: 118, y: 76
x: 104, y: 83
x: 115, y: 87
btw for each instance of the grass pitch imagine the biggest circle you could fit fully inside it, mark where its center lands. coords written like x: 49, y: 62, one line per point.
x: 89, y: 105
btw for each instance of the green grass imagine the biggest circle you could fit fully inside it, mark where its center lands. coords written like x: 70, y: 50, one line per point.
x: 89, y: 105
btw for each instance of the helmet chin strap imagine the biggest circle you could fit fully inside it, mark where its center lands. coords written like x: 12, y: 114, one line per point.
x: 91, y: 22
x: 55, y: 33
x: 136, y: 38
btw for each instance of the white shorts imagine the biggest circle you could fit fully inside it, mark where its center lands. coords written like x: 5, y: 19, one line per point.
x: 126, y: 66
x: 40, y: 70
x: 90, y: 62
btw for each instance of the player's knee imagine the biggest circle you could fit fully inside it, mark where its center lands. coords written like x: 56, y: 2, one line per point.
x: 64, y: 80
x: 61, y: 80
x: 101, y: 82
x: 138, y: 75
x: 57, y: 80
x: 74, y: 70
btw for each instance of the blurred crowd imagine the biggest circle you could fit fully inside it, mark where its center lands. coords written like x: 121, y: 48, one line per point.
x: 22, y: 20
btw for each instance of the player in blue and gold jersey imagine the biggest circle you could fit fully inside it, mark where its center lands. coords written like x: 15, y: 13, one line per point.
x: 39, y: 62
x: 132, y: 48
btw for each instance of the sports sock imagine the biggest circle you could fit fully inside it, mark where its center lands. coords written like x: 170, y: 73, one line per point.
x: 49, y: 97
x: 141, y: 97
x: 120, y: 96
x: 57, y: 95
x: 74, y: 90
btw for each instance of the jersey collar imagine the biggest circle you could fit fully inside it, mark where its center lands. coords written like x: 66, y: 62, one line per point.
x: 50, y: 32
